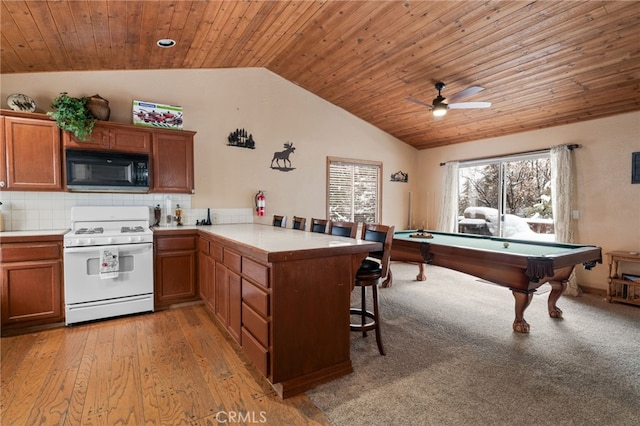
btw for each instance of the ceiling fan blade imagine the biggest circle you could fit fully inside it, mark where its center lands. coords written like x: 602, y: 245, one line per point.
x: 469, y: 105
x: 419, y: 102
x: 466, y: 92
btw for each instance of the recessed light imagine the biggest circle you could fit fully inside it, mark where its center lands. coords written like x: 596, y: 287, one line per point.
x: 166, y: 43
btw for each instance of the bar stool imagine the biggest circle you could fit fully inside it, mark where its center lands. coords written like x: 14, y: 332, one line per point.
x: 280, y: 221
x: 299, y: 223
x: 342, y: 228
x: 371, y: 270
x: 318, y: 225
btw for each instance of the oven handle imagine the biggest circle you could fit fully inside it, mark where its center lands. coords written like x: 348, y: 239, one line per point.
x: 120, y: 247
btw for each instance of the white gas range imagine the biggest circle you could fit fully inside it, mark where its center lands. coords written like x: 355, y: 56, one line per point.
x: 108, y: 263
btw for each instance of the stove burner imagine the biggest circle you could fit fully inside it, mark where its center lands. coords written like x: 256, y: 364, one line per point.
x: 90, y: 231
x: 132, y: 229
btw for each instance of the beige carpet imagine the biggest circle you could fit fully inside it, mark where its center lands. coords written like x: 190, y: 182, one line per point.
x: 453, y: 359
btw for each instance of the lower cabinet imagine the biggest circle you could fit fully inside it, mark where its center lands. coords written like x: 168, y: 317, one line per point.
x: 175, y: 268
x: 32, y: 280
x: 228, y: 293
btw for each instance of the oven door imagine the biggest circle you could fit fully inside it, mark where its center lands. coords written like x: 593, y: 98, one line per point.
x: 83, y: 281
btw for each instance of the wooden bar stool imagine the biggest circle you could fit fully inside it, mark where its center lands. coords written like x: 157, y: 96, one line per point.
x: 342, y: 228
x: 371, y: 270
x: 318, y: 225
x: 299, y: 223
x: 280, y: 221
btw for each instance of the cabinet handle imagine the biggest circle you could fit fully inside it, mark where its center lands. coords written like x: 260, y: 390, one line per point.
x: 1, y: 184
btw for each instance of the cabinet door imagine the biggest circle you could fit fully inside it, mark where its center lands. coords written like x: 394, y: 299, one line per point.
x: 221, y: 303
x: 130, y: 140
x: 206, y: 279
x: 235, y: 305
x: 172, y: 162
x: 175, y: 277
x: 99, y: 140
x: 21, y: 281
x: 3, y: 156
x: 33, y: 155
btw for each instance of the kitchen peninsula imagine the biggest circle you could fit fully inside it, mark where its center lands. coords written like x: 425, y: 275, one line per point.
x: 282, y: 294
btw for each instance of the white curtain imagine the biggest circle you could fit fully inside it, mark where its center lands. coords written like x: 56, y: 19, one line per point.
x: 561, y: 190
x: 447, y: 217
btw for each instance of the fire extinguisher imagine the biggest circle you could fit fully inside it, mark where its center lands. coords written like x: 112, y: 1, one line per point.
x: 261, y: 204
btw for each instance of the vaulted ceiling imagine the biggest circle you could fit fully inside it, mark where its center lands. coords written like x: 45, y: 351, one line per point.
x: 541, y: 63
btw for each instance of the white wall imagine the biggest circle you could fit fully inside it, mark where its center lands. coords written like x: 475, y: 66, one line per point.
x: 275, y: 111
x: 608, y: 204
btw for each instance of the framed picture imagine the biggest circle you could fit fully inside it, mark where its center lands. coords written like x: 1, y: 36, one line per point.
x: 157, y: 115
x: 635, y: 167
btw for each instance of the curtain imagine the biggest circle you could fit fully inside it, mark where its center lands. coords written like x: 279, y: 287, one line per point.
x: 561, y: 190
x: 447, y: 217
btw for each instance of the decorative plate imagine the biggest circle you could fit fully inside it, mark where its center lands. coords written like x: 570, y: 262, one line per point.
x: 20, y: 102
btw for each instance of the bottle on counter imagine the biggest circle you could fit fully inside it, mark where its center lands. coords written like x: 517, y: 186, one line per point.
x: 178, y: 215
x: 157, y: 215
x: 168, y: 209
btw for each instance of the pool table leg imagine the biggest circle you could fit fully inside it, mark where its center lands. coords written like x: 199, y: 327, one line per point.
x: 522, y: 301
x: 557, y: 288
x: 421, y: 274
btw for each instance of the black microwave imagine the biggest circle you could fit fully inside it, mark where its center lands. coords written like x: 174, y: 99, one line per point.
x: 107, y: 171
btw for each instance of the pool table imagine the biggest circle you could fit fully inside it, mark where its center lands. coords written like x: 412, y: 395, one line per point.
x: 522, y: 266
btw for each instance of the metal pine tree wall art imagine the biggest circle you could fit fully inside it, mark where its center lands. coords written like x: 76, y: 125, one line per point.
x: 242, y: 139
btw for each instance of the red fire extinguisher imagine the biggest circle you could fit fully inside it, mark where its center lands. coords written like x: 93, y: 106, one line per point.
x: 260, y: 203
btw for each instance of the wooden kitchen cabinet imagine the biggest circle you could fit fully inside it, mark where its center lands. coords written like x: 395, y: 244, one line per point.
x: 208, y: 254
x: 109, y: 136
x: 228, y: 293
x: 31, y: 153
x: 175, y: 255
x: 32, y: 280
x: 172, y: 162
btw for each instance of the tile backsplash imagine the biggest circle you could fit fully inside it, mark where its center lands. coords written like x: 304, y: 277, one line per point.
x: 27, y: 211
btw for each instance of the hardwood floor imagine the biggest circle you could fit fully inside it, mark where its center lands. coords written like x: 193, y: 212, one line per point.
x: 172, y: 367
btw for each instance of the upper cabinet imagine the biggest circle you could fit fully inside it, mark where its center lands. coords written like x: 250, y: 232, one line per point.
x: 172, y: 162
x: 30, y: 153
x: 108, y: 136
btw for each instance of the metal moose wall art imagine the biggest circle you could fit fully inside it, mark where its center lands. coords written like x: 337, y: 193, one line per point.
x: 284, y: 156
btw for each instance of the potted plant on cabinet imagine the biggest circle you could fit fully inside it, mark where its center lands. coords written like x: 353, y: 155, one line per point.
x: 71, y: 114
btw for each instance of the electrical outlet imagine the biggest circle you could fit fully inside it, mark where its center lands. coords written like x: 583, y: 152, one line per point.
x: 575, y: 214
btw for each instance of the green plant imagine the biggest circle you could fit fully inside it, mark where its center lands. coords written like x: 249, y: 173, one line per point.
x: 71, y: 114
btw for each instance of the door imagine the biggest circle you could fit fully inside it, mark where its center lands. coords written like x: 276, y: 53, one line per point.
x: 83, y: 282
x: 508, y: 198
x: 172, y: 163
x: 33, y: 155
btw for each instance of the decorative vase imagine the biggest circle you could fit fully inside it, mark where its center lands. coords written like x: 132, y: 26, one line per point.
x: 99, y: 107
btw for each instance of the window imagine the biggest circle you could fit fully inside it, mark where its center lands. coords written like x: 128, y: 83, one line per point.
x: 506, y: 197
x: 353, y: 190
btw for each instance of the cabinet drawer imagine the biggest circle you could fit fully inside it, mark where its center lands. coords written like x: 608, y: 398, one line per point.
x: 258, y: 326
x: 176, y: 243
x: 255, y: 297
x: 232, y: 260
x: 30, y: 251
x: 215, y: 251
x: 257, y: 272
x: 204, y: 246
x: 255, y: 351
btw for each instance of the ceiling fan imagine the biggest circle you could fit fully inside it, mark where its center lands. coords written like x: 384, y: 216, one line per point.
x: 441, y: 104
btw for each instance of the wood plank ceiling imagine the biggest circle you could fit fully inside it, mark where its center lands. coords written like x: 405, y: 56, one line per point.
x: 542, y: 63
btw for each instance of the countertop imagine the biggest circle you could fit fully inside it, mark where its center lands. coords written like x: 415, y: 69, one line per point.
x: 35, y: 235
x: 272, y: 239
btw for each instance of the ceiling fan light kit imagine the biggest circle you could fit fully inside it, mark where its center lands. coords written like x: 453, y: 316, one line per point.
x: 439, y: 110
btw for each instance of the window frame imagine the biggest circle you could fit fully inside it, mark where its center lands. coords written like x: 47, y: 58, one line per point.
x: 355, y: 162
